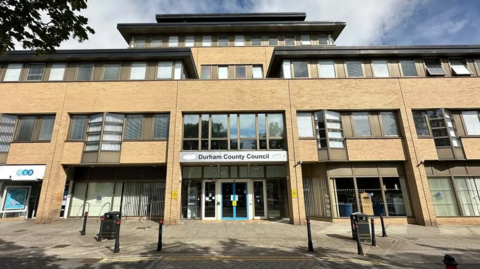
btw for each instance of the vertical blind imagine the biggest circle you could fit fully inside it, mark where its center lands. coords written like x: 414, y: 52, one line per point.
x: 472, y: 122
x: 443, y: 197
x: 47, y: 128
x: 111, y: 72
x: 164, y: 70
x: 138, y: 70
x: 57, y: 72
x: 380, y: 67
x: 78, y: 127
x: 468, y: 191
x: 409, y: 68
x: 354, y: 69
x: 13, y: 72
x: 161, y: 126
x: 326, y: 69
x: 7, y: 128
x: 85, y: 71
x: 361, y: 123
x: 134, y: 127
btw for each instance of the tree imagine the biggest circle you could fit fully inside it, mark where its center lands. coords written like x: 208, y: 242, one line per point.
x: 22, y: 20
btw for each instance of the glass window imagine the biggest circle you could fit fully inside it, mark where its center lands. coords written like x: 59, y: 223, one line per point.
x: 287, y: 73
x: 275, y: 125
x: 322, y: 39
x: 420, y: 122
x: 443, y: 197
x: 157, y: 41
x: 440, y: 131
x: 468, y: 192
x: 140, y: 41
x: 306, y: 40
x: 47, y: 128
x: 409, y: 68
x: 178, y: 71
x: 320, y: 127
x: 112, y: 132
x: 334, y: 129
x: 361, y: 123
x: 239, y: 40
x: 206, y: 41
x: 219, y: 126
x: 77, y: 131
x: 57, y: 71
x: 204, y: 127
x: 472, y: 122
x: 111, y: 71
x: 138, y: 70
x: 289, y: 40
x: 304, y: 121
x: 326, y: 69
x: 133, y: 127
x: 85, y: 72
x: 256, y: 40
x: 257, y: 71
x: 389, y: 123
x: 257, y: 171
x: 210, y: 172
x: 7, y: 127
x: 300, y: 69
x: 434, y: 68
x: 223, y: 72
x: 272, y: 40
x: 161, y: 128
x: 344, y: 201
x: 25, y: 128
x: 206, y: 72
x: 233, y: 132
x: 240, y: 71
x: 459, y: 67
x: 396, y: 195
x: 262, y: 126
x: 190, y: 126
x: 223, y: 41
x: 247, y: 125
x: 173, y: 41
x: 354, y: 69
x: 380, y: 68
x: 35, y: 72
x: 13, y: 72
x: 190, y: 41
x: 93, y: 132
x: 164, y: 70
x: 370, y: 196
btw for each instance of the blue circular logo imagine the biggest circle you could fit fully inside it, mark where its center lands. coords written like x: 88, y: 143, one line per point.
x: 30, y: 172
x: 25, y: 172
x: 19, y: 172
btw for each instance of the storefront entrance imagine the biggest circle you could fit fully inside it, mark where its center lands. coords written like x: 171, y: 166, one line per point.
x: 234, y: 201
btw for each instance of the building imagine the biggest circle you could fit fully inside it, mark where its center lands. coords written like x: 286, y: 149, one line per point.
x: 240, y: 117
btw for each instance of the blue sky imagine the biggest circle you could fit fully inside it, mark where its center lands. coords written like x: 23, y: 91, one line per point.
x: 369, y: 22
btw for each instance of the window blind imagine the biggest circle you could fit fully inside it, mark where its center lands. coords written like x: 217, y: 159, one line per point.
x: 77, y: 131
x: 206, y: 41
x: 361, y: 124
x: 289, y: 40
x: 157, y: 41
x: 47, y: 128
x: 112, y: 133
x: 173, y: 41
x: 35, y: 72
x: 322, y: 39
x: 178, y: 70
x: 409, y: 68
x: 111, y: 72
x: 306, y: 40
x: 161, y: 126
x: 287, y: 72
x: 239, y: 40
x: 93, y: 133
x: 380, y: 68
x: 57, y: 72
x: 140, y: 41
x: 326, y: 69
x: 189, y: 41
x: 85, y: 72
x: 13, y: 72
x: 134, y: 127
x: 354, y: 69
x: 434, y: 68
x: 257, y: 72
x: 164, y: 70
x: 305, y: 128
x: 7, y: 128
x: 459, y: 68
x: 138, y: 70
x: 222, y: 72
x: 472, y: 123
x: 25, y: 129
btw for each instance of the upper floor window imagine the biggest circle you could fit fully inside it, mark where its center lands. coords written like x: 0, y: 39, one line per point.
x: 354, y: 69
x: 13, y: 72
x: 289, y: 40
x: 223, y: 72
x: 223, y: 41
x: 173, y: 41
x: 478, y: 64
x: 273, y: 40
x: 328, y: 125
x: 240, y: 71
x: 157, y: 41
x: 459, y: 67
x: 111, y: 71
x: 35, y: 72
x: 140, y: 41
x: 322, y: 39
x: 409, y: 68
x: 434, y: 68
x: 472, y: 122
x: 7, y: 126
x: 437, y: 123
x: 239, y: 40
x: 146, y: 127
x: 165, y: 70
x: 34, y: 128
x: 326, y: 69
x: 256, y: 40
x: 262, y: 131
x: 305, y: 40
x: 305, y: 123
x: 257, y: 71
x: 138, y: 70
x: 190, y: 41
x: 206, y: 41
x: 361, y: 124
x: 85, y: 71
x: 380, y: 68
x: 57, y: 72
x: 300, y: 69
x: 206, y: 72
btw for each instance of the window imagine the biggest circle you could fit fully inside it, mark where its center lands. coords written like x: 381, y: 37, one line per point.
x: 389, y: 123
x: 478, y: 64
x: 140, y: 41
x: 233, y: 132
x: 459, y: 68
x: 146, y: 127
x: 223, y: 72
x: 164, y: 70
x: 57, y: 72
x: 85, y: 72
x: 322, y: 39
x: 257, y: 71
x: 472, y: 122
x: 286, y: 69
x: 354, y: 69
x: 35, y: 72
x: 443, y: 197
x: 468, y: 191
x: 329, y: 123
x: 362, y: 123
x: 94, y: 130
x: 111, y: 71
x: 223, y: 41
x: 34, y: 128
x: 178, y: 72
x: 306, y: 40
x: 173, y: 41
x: 409, y: 68
x: 300, y: 69
x: 240, y: 71
x: 239, y: 40
x: 326, y: 69
x: 206, y: 72
x: 13, y: 72
x: 420, y: 123
x: 133, y: 127
x: 304, y: 123
x: 289, y: 40
x: 157, y: 41
x: 190, y: 41
x: 380, y: 68
x: 439, y: 124
x: 272, y: 40
x: 112, y: 132
x: 434, y: 68
x: 206, y: 41
x: 161, y: 126
x: 77, y: 127
x: 138, y: 70
x: 256, y: 40
x: 7, y: 127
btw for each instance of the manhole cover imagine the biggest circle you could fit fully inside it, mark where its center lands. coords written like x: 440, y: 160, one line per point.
x: 60, y: 246
x: 142, y: 228
x: 19, y: 231
x: 90, y: 261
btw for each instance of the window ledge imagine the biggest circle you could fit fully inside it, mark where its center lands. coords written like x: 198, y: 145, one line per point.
x: 470, y: 136
x: 307, y: 138
x: 373, y: 137
x: 82, y: 141
x: 23, y: 142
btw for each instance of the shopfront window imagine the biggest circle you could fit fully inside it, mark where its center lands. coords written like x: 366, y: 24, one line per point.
x: 317, y: 199
x: 345, y: 201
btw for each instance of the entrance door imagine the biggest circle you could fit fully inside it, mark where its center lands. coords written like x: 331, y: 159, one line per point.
x: 234, y: 201
x: 259, y: 199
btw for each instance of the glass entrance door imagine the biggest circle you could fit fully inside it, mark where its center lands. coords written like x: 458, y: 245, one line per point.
x: 259, y: 199
x: 234, y: 201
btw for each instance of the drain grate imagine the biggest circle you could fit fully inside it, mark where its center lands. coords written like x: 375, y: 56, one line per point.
x: 90, y: 261
x: 60, y: 246
x: 142, y: 228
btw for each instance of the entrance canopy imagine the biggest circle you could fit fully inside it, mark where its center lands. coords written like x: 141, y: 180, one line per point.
x: 22, y: 172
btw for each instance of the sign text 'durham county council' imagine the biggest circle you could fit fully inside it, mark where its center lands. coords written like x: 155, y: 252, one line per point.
x: 242, y: 156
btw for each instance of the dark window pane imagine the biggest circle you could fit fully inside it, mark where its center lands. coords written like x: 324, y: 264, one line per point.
x: 300, y: 69
x: 205, y: 121
x: 248, y: 144
x: 256, y: 40
x: 190, y: 145
x: 190, y: 126
x: 247, y: 125
x: 439, y: 132
x: 437, y: 113
x: 263, y: 144
x: 277, y: 144
x: 25, y: 128
x: 275, y: 125
x: 289, y: 40
x: 272, y: 40
x: 240, y: 71
x: 262, y: 128
x: 219, y: 144
x: 134, y: 127
x: 323, y: 143
x: 111, y: 72
x: 162, y: 122
x: 204, y: 145
x: 437, y: 123
x: 206, y: 72
x: 233, y: 144
x: 442, y: 142
x: 420, y: 123
x: 47, y: 128
x: 408, y: 68
x: 354, y: 69
x: 219, y: 126
x: 233, y: 126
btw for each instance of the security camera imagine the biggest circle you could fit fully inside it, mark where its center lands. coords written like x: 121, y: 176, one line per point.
x: 298, y: 163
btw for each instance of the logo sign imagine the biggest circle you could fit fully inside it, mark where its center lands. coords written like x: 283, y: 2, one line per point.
x: 22, y: 172
x: 16, y: 199
x: 242, y: 156
x: 25, y: 172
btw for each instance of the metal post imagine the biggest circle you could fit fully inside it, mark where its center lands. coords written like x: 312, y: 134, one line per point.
x: 160, y: 232
x: 374, y: 241
x: 100, y: 236
x: 449, y: 262
x: 359, y: 244
x: 384, y: 232
x: 85, y: 217
x: 116, y: 249
x: 309, y: 231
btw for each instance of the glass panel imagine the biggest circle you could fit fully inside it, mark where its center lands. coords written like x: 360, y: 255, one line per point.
x: 257, y: 72
x: 111, y: 72
x: 380, y: 68
x: 189, y: 41
x: 389, y: 122
x: 442, y: 142
x: 173, y: 41
x: 99, y: 195
x: 275, y: 125
x: 162, y: 122
x: 191, y: 172
x: 259, y: 198
x: 191, y: 199
x: 223, y: 72
x: 397, y: 203
x: 157, y: 41
x: 25, y: 129
x: 210, y: 172
x: 354, y: 69
x: 219, y: 144
x: 205, y: 123
x: 370, y: 196
x: 134, y: 127
x: 140, y: 41
x: 190, y: 126
x: 13, y: 72
x: 289, y: 40
x: 287, y: 73
x: 256, y: 40
x: 304, y: 122
x: 345, y: 201
x: 78, y: 199
x: 262, y: 128
x: 300, y: 69
x: 326, y: 69
x: 420, y: 122
x: 239, y: 40
x: 306, y: 40
x: 459, y: 68
x: 272, y: 40
x: 361, y: 123
x: 85, y: 72
x: 223, y: 41
x: 210, y: 202
x: 7, y: 128
x: 322, y: 39
x: 241, y: 197
x: 243, y: 171
x: 248, y: 144
x: 469, y: 195
x: 46, y: 128
x: 57, y: 72
x: 276, y: 171
x: 223, y: 171
x: 233, y: 126
x: 206, y: 72
x: 257, y: 171
x: 233, y: 171
x: 164, y: 70
x: 276, y: 198
x: 35, y: 72
x: 227, y: 198
x: 219, y: 126
x: 276, y: 144
x: 443, y: 197
x: 247, y: 125
x: 317, y: 201
x: 206, y: 41
x: 138, y: 70
x: 240, y: 71
x: 472, y: 122
x: 434, y: 68
x: 190, y: 145
x: 408, y: 68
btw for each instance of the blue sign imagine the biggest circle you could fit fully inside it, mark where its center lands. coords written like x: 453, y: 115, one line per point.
x: 25, y: 172
x: 16, y: 199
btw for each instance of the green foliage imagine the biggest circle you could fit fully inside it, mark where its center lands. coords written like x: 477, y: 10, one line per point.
x: 22, y: 20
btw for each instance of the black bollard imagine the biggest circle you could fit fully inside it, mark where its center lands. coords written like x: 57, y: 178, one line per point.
x: 449, y: 262
x: 374, y: 241
x: 85, y: 217
x: 359, y: 244
x: 116, y: 249
x: 384, y: 232
x: 100, y: 236
x: 309, y: 231
x: 160, y: 233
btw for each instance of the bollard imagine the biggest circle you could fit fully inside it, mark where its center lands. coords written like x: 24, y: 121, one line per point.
x: 100, y: 236
x: 309, y: 231
x: 374, y: 241
x: 116, y: 249
x: 384, y: 232
x: 85, y: 217
x: 160, y: 233
x: 449, y: 262
x: 359, y: 244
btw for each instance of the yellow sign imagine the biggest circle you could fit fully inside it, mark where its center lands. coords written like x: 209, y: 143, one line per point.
x: 234, y: 203
x: 294, y: 193
x: 174, y: 194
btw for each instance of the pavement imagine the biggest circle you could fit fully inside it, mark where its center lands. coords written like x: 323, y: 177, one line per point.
x: 232, y: 244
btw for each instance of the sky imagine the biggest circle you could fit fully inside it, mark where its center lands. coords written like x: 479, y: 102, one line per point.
x: 369, y: 22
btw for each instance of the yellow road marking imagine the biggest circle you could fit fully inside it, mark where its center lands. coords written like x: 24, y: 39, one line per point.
x: 250, y: 258
x: 132, y: 259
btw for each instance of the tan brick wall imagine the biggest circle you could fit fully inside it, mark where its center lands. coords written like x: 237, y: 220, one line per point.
x: 144, y: 152
x: 375, y: 149
x: 471, y: 147
x: 72, y: 152
x: 30, y: 153
x: 425, y: 148
x: 307, y: 150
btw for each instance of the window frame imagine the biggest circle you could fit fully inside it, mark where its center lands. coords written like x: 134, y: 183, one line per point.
x: 401, y: 67
x: 319, y: 69
x: 361, y: 66
x: 374, y: 70
x: 78, y: 71
x: 87, y: 117
x: 111, y: 64
x: 438, y: 62
x: 185, y: 41
x: 36, y: 129
x: 148, y: 123
x: 464, y: 63
x: 446, y: 127
x: 64, y: 72
x: 42, y: 76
